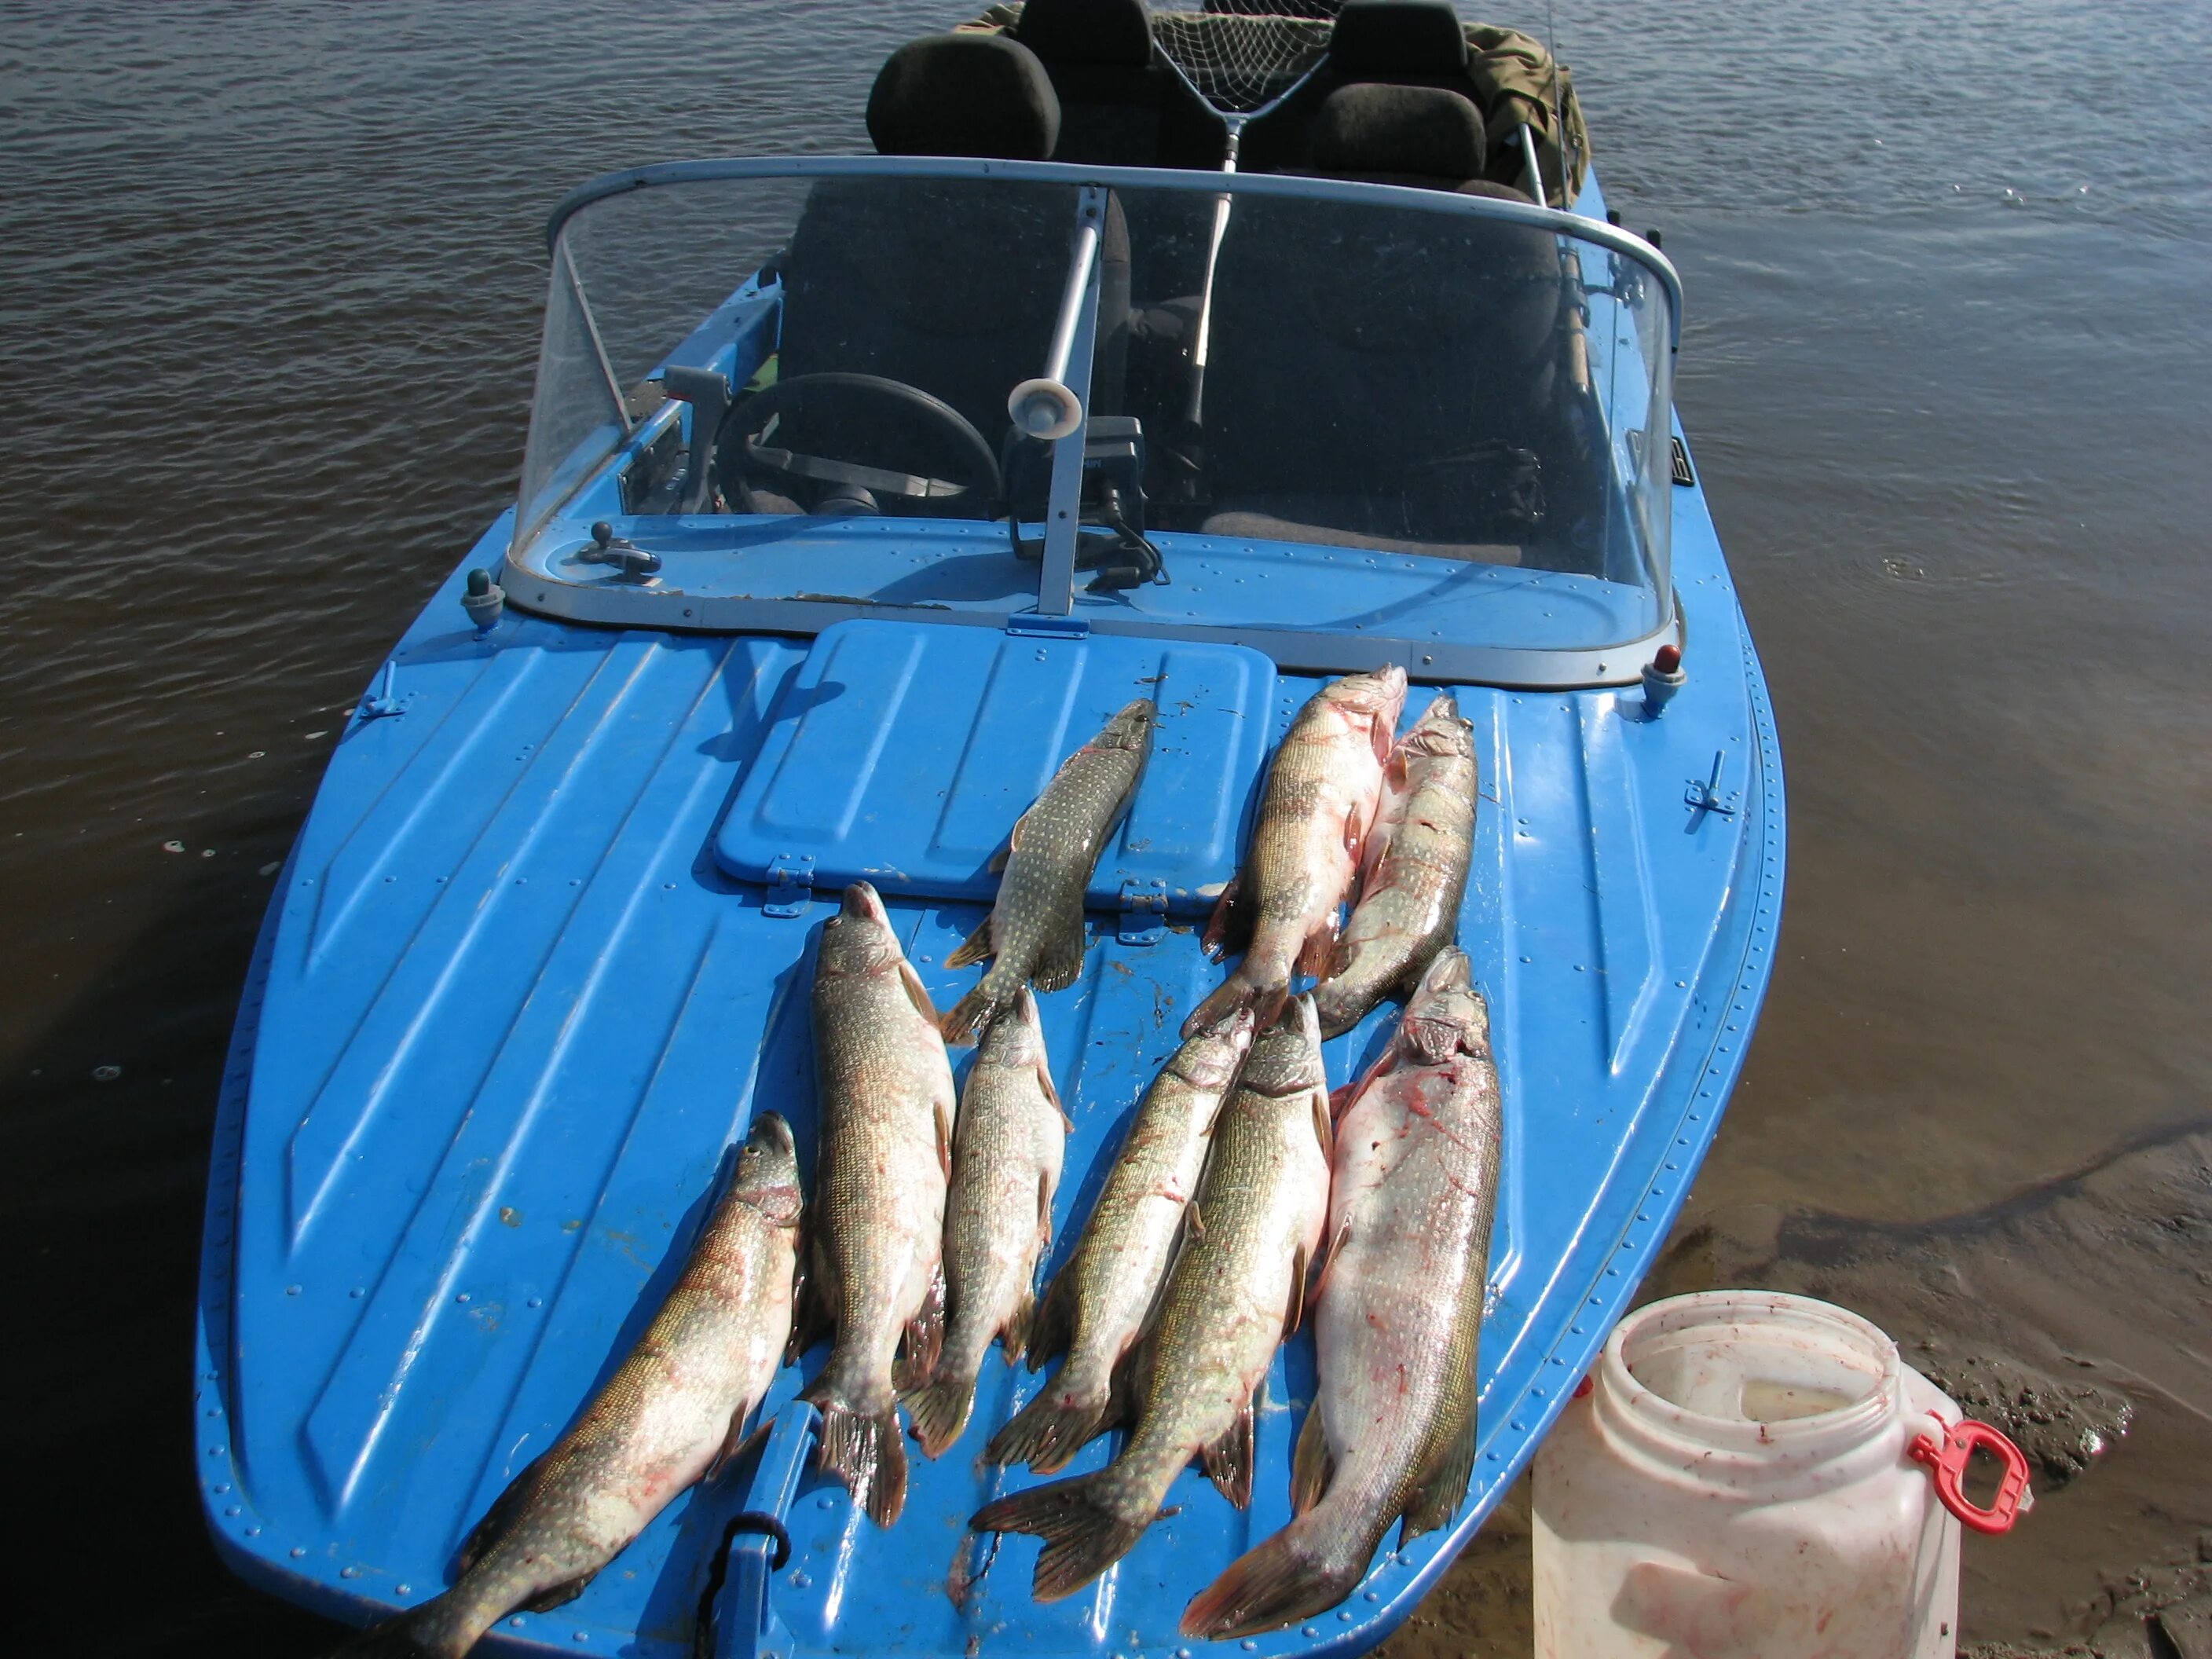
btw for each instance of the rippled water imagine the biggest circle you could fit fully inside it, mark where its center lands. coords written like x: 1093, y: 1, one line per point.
x: 269, y: 283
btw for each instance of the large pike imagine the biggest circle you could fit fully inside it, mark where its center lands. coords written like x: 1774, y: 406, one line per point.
x: 1320, y: 803
x: 1006, y: 1156
x: 1034, y: 933
x: 1391, y: 1431
x: 1238, y: 1284
x: 670, y: 1412
x: 888, y: 1108
x: 1099, y: 1299
x: 1415, y: 871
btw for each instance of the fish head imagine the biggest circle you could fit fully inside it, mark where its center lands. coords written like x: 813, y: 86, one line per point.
x: 1015, y: 1036
x: 1441, y: 730
x: 1286, y: 1058
x: 1132, y: 728
x: 859, y: 938
x: 1212, y: 1058
x: 767, y: 1171
x: 1446, y: 1013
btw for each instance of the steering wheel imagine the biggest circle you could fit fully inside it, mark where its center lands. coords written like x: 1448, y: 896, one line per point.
x: 739, y: 448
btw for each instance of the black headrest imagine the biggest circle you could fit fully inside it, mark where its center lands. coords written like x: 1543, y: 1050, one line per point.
x: 1378, y: 39
x: 965, y: 95
x: 1428, y: 132
x: 1087, y: 31
x: 1497, y: 193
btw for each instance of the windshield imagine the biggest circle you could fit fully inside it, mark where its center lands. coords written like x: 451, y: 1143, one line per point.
x: 1268, y: 404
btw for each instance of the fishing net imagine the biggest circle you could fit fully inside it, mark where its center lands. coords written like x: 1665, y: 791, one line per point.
x: 1242, y: 55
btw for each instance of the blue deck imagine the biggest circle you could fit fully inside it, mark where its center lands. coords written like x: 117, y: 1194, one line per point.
x: 509, y: 1009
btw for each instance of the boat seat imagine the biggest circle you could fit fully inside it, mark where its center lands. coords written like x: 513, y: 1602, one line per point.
x: 1407, y: 43
x: 950, y: 285
x: 1396, y: 388
x: 1120, y: 103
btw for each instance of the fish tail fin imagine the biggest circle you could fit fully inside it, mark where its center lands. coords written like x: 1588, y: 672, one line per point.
x: 1238, y: 991
x: 970, y: 1014
x: 1048, y: 1431
x: 1084, y: 1530
x: 940, y: 1410
x: 1306, y: 1568
x: 444, y: 1627
x: 866, y: 1451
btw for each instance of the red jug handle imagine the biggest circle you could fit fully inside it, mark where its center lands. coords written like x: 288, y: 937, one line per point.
x: 1947, y: 1461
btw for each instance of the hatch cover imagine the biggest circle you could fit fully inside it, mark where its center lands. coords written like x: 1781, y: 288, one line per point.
x: 902, y: 753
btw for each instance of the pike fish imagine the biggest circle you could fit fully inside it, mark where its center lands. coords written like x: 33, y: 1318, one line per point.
x: 1391, y: 1432
x: 877, y: 1275
x: 1099, y: 1301
x: 1238, y: 1284
x: 671, y: 1414
x: 1415, y: 872
x: 1033, y: 934
x: 1321, y: 793
x: 1006, y: 1156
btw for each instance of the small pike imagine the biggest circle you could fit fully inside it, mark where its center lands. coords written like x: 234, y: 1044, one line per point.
x: 1006, y: 1156
x: 1099, y: 1301
x: 888, y: 1108
x: 669, y: 1415
x: 1415, y: 873
x: 1321, y: 798
x: 1238, y: 1284
x: 1034, y: 933
x: 1392, y: 1428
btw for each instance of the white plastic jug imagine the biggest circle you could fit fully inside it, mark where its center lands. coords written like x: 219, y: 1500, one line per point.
x: 1747, y: 1475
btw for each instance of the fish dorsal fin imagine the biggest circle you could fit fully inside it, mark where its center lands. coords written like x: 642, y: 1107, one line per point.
x: 1444, y: 1483
x: 1311, y: 1466
x: 1229, y: 1459
x: 976, y: 948
x: 914, y: 992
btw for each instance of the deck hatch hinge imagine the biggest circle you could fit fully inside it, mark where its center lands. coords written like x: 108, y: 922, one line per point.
x: 1704, y: 794
x: 1144, y: 912
x: 1031, y: 626
x: 790, y: 885
x: 738, y: 1619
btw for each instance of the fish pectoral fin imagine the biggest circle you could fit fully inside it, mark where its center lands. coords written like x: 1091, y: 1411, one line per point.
x: 1324, y: 1120
x: 506, y: 1508
x: 999, y: 859
x: 915, y: 993
x: 1311, y: 1466
x: 560, y: 1595
x: 1229, y: 1459
x: 977, y: 948
x: 812, y: 1320
x: 1194, y: 1224
x: 1014, y: 1335
x: 1294, y: 1314
x: 1445, y: 1483
x: 923, y: 1339
x: 1051, y: 1327
x: 1320, y: 947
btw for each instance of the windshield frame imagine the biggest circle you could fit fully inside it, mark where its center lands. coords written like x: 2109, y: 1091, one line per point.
x: 1430, y: 659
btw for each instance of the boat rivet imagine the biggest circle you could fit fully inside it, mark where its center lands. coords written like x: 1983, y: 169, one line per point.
x: 1249, y: 1646
x: 537, y: 1300
x: 582, y: 1635
x: 1372, y: 1597
x: 234, y: 1508
x: 800, y: 1581
x: 253, y: 1532
x: 1345, y: 1615
x: 1312, y: 1631
x: 357, y: 1292
x: 291, y: 1289
x: 349, y: 1572
x: 825, y: 1503
x: 462, y: 1297
x: 515, y: 1622
x: 402, y: 1589
x: 298, y: 1551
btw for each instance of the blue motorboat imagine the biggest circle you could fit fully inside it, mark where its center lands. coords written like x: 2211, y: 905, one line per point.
x: 857, y: 492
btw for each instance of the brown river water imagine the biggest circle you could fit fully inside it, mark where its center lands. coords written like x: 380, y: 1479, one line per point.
x: 270, y: 279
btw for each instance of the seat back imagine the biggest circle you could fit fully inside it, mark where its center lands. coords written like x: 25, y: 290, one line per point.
x: 1405, y: 43
x: 1120, y: 103
x: 952, y: 286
